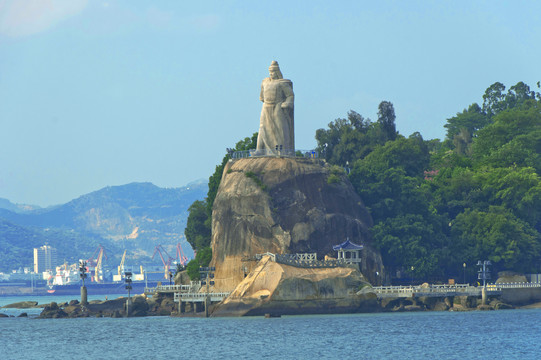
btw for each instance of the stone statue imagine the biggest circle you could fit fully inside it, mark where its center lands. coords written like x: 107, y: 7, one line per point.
x: 276, y: 128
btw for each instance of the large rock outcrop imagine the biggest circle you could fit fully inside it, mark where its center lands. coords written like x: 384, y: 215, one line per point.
x: 278, y: 289
x: 285, y: 206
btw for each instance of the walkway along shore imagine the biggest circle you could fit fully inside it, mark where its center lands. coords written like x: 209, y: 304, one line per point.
x: 165, y: 301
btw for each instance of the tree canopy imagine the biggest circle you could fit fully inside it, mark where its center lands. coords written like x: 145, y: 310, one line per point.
x: 436, y: 205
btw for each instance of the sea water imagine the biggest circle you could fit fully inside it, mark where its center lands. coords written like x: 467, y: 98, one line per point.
x: 505, y: 334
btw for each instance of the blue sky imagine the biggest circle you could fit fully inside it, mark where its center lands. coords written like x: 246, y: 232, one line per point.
x: 98, y: 93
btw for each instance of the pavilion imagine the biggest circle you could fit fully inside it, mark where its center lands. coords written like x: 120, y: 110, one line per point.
x: 348, y: 251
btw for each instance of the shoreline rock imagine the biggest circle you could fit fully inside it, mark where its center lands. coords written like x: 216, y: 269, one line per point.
x: 367, y: 303
x: 21, y: 305
x: 140, y: 305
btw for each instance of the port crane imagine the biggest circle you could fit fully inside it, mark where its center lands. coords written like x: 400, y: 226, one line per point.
x: 166, y: 264
x: 97, y: 263
x: 121, y: 266
x: 182, y: 259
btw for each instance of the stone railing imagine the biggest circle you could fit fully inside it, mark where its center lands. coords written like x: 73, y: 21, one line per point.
x: 193, y: 287
x: 515, y: 285
x: 307, y: 260
x: 307, y: 154
x: 200, y: 297
x: 303, y: 257
x: 430, y: 291
x: 448, y: 290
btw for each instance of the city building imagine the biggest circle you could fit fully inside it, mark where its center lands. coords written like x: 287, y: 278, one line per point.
x: 45, y: 258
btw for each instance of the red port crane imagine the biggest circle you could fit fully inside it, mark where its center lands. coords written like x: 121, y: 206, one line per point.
x: 182, y: 259
x: 166, y: 264
x: 97, y: 264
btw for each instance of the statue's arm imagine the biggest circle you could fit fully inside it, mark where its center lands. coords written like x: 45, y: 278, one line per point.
x: 287, y: 88
x: 261, y: 96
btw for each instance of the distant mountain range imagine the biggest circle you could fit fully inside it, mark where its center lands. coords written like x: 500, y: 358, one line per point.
x: 18, y: 208
x: 136, y: 217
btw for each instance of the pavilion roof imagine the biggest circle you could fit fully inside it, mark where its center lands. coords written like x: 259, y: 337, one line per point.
x: 347, y: 245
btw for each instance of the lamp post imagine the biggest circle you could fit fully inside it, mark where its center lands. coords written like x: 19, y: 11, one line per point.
x: 170, y: 277
x: 484, y: 274
x: 83, y: 275
x: 127, y: 279
x: 207, y: 273
x: 464, y: 266
x: 412, y: 268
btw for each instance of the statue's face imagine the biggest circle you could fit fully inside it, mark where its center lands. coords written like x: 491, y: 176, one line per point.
x: 273, y: 74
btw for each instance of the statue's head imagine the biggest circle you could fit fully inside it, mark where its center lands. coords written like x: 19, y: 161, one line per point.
x: 274, y: 71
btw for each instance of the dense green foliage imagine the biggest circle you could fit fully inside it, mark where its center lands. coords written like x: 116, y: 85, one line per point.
x: 349, y: 139
x: 202, y: 258
x: 437, y: 205
x: 197, y: 230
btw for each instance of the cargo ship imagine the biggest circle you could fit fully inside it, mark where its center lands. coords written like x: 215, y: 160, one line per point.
x: 44, y: 289
x: 99, y: 280
x: 67, y: 282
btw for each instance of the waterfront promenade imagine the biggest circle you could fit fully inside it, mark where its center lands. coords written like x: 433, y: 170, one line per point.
x: 190, y: 293
x: 187, y: 293
x: 447, y: 290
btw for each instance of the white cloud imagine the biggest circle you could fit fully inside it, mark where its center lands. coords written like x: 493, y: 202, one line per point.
x: 26, y: 17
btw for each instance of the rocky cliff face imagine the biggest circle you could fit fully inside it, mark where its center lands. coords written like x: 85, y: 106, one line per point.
x: 284, y: 205
x: 279, y: 289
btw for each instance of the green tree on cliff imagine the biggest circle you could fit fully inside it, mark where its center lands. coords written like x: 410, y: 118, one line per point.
x: 436, y: 205
x: 198, y: 228
x: 491, y: 194
x: 202, y: 258
x: 386, y: 120
x: 353, y: 138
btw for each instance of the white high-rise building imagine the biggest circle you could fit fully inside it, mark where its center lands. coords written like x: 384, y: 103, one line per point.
x: 44, y: 259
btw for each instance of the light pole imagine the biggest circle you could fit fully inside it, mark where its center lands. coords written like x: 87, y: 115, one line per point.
x: 464, y: 266
x: 127, y: 279
x: 412, y: 268
x: 83, y: 275
x: 483, y: 273
x: 207, y: 273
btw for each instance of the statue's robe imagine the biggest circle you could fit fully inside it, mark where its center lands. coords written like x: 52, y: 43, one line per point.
x: 276, y: 127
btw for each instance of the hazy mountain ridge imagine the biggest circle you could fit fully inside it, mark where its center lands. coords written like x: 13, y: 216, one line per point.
x: 18, y: 208
x: 136, y: 216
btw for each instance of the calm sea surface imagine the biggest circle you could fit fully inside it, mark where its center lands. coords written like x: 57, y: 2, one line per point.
x: 506, y: 334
